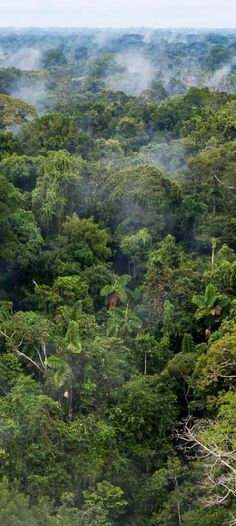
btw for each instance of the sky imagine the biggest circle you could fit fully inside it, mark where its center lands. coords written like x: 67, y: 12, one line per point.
x: 118, y: 13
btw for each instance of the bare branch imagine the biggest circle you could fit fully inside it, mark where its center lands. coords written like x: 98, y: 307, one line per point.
x: 29, y: 359
x: 44, y: 352
x: 40, y: 357
x: 223, y: 184
x: 219, y: 465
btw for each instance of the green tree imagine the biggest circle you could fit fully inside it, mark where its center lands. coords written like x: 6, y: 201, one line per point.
x: 53, y: 57
x: 209, y: 305
x: 14, y: 111
x: 117, y: 291
x: 52, y: 197
x: 52, y: 131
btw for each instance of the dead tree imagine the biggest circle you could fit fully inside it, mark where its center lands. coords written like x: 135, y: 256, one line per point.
x: 219, y: 463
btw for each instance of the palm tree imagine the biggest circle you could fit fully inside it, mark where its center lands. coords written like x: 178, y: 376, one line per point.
x: 117, y: 291
x: 209, y: 305
x: 123, y: 322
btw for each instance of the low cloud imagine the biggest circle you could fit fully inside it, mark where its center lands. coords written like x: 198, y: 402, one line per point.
x: 136, y: 76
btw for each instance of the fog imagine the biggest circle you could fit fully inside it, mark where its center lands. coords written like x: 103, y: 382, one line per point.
x: 220, y: 75
x: 32, y: 92
x: 27, y: 59
x: 137, y: 75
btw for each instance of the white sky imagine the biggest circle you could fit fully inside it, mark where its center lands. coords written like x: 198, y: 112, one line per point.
x: 118, y: 13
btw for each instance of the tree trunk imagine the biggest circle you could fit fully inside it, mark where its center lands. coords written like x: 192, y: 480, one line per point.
x: 70, y: 405
x: 178, y: 504
x: 145, y: 363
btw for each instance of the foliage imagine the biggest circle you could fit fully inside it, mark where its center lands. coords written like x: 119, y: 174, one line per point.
x: 14, y: 111
x: 117, y: 278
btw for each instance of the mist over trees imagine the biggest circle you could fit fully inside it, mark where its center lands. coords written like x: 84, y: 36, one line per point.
x: 117, y: 277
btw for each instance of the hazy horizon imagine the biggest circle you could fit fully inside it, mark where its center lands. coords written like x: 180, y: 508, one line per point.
x: 149, y: 14
x: 114, y: 28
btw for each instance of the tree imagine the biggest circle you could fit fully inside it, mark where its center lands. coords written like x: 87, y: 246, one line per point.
x: 29, y: 335
x: 218, y: 364
x: 158, y: 89
x: 28, y: 241
x: 217, y: 56
x: 142, y: 197
x: 52, y: 197
x: 117, y: 291
x: 209, y: 305
x: 14, y: 111
x: 144, y: 414
x: 123, y: 322
x: 161, y: 263
x: 136, y: 247
x: 52, y: 131
x: 187, y: 343
x: 131, y: 133
x: 21, y: 170
x: 81, y: 244
x: 154, y: 354
x: 214, y: 444
x: 11, y: 199
x: 35, y: 452
x: 170, y: 493
x: 53, y: 57
x: 9, y: 143
x: 108, y: 497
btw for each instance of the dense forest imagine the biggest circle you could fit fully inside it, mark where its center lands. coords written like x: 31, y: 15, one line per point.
x: 117, y: 278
